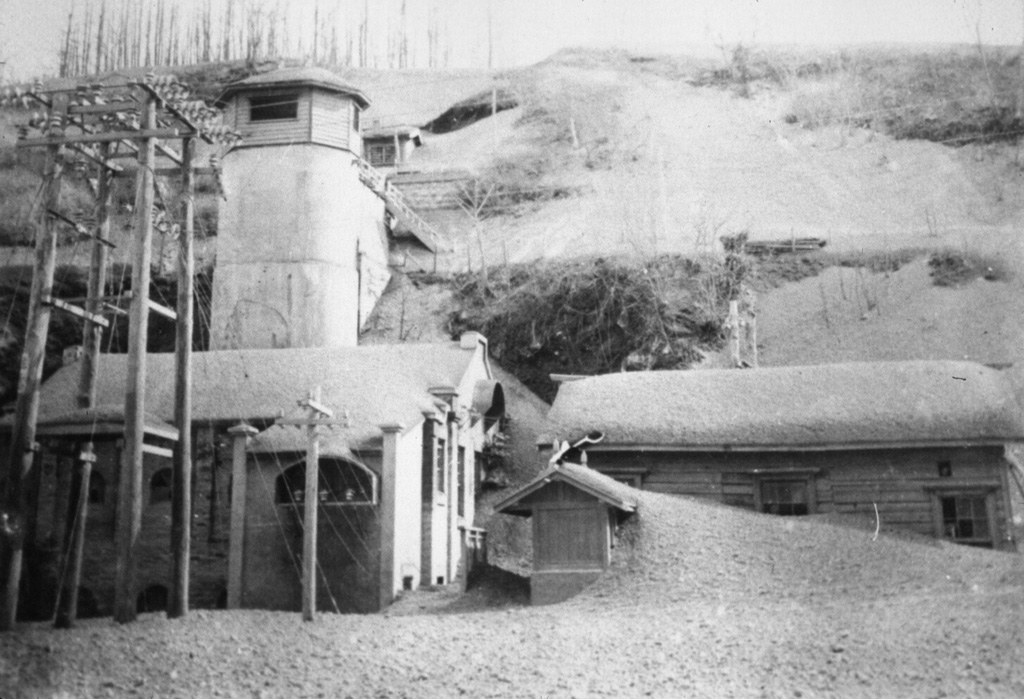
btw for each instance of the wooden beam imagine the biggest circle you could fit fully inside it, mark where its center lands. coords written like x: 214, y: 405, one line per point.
x: 315, y: 405
x: 174, y: 111
x: 162, y: 310
x: 26, y: 410
x: 129, y: 503
x: 176, y: 171
x: 76, y: 311
x: 171, y: 434
x: 181, y: 495
x: 109, y: 108
x: 79, y: 228
x: 84, y: 150
x: 157, y: 451
x: 317, y: 422
x: 102, y: 137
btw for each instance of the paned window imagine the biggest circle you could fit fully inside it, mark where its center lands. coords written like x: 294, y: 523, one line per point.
x: 273, y: 107
x: 381, y: 154
x: 785, y: 497
x: 965, y: 519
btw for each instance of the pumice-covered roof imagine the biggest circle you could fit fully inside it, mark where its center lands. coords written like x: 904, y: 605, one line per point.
x: 824, y: 406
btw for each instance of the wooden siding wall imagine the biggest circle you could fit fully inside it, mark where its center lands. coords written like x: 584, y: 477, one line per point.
x: 274, y: 132
x: 323, y: 117
x: 331, y: 120
x: 902, y: 482
x: 570, y: 529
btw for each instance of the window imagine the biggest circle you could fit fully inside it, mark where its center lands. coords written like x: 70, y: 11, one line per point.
x: 945, y: 469
x: 381, y: 154
x: 439, y: 466
x: 160, y: 486
x: 341, y: 482
x: 97, y: 489
x: 355, y: 117
x: 785, y: 497
x: 965, y: 519
x: 273, y: 107
x: 462, y: 481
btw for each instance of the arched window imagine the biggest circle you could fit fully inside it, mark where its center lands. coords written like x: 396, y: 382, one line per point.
x: 341, y: 482
x: 160, y: 486
x: 97, y: 488
x: 152, y: 599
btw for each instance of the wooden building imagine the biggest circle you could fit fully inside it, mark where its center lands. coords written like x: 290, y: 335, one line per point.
x: 399, y: 479
x: 575, y: 512
x: 390, y: 146
x: 923, y: 441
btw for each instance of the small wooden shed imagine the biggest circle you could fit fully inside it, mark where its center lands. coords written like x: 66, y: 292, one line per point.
x: 575, y: 512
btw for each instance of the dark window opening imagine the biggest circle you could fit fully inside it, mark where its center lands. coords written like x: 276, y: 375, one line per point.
x: 785, y: 498
x: 462, y: 481
x: 152, y: 599
x: 965, y: 519
x: 273, y: 107
x: 439, y: 466
x: 160, y: 486
x: 381, y: 154
x: 355, y: 117
x: 340, y: 482
x: 97, y: 489
x: 945, y: 469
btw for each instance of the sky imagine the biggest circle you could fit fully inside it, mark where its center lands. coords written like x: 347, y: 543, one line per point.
x: 526, y: 31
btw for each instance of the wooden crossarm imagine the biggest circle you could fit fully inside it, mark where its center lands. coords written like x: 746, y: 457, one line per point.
x: 162, y: 310
x: 79, y: 228
x: 109, y: 108
x: 76, y: 311
x: 312, y: 422
x: 101, y: 137
x: 174, y: 111
x: 316, y: 405
x: 157, y: 451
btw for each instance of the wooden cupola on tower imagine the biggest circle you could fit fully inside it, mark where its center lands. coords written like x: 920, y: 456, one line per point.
x: 301, y: 241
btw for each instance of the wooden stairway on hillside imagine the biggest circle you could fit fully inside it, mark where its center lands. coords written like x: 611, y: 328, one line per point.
x: 398, y: 207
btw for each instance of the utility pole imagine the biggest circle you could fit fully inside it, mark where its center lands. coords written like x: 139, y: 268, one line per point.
x: 181, y: 494
x: 318, y: 415
x: 92, y: 335
x: 129, y: 501
x: 92, y: 119
x: 26, y: 410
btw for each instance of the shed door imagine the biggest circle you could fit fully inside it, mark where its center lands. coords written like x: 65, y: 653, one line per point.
x: 570, y: 538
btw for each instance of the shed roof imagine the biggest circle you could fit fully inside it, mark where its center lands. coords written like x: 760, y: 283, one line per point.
x: 825, y: 406
x: 298, y: 77
x: 373, y: 383
x: 606, y: 489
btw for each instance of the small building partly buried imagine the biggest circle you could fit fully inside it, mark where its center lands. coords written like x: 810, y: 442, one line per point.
x: 575, y: 513
x: 920, y: 443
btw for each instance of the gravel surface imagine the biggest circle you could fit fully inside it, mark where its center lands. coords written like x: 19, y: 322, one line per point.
x: 702, y: 600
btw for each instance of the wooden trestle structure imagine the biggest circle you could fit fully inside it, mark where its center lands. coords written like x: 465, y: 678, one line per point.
x: 95, y: 125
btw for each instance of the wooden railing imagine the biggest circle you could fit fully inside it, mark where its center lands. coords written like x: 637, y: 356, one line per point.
x: 396, y: 204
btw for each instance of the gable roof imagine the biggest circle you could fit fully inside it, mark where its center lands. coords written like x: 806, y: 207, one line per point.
x: 297, y: 77
x: 606, y: 489
x: 825, y: 406
x: 373, y: 383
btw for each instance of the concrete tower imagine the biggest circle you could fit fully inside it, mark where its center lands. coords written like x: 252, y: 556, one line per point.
x: 301, y: 243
